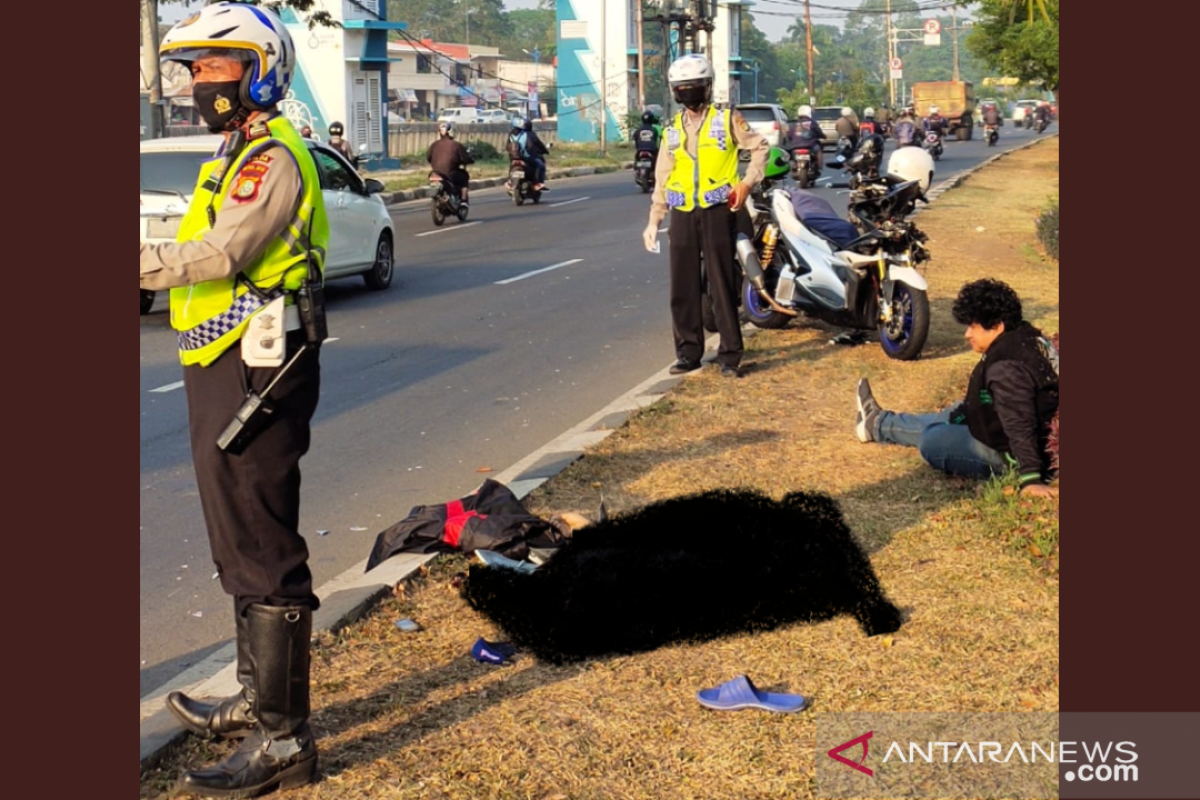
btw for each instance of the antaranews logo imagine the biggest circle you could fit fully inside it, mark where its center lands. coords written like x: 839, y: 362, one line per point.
x: 1002, y: 753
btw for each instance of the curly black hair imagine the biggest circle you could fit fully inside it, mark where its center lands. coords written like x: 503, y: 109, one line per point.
x: 988, y: 302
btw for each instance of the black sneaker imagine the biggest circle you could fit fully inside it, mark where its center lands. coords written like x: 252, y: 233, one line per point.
x: 728, y: 371
x: 866, y: 419
x: 683, y: 365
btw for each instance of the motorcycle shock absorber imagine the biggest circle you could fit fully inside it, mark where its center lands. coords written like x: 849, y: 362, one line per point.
x: 770, y: 240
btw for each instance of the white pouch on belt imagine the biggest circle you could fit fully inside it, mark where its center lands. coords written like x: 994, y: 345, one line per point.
x: 263, y: 343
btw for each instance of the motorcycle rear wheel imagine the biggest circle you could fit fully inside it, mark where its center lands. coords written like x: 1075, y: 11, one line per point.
x: 435, y: 211
x: 904, y: 337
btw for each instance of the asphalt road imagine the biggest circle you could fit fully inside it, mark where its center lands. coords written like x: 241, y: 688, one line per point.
x: 497, y: 335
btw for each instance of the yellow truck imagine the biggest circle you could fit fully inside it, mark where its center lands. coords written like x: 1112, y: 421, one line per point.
x: 955, y: 101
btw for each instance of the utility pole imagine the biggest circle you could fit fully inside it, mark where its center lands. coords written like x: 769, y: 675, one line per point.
x: 150, y: 65
x: 891, y: 55
x: 604, y: 77
x: 808, y: 46
x: 954, y: 16
x: 641, y: 64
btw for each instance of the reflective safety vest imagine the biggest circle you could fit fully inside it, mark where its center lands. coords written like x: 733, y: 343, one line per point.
x: 210, y: 316
x: 706, y: 180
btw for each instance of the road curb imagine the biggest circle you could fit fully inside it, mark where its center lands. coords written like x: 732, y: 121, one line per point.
x: 352, y: 594
x: 405, y: 195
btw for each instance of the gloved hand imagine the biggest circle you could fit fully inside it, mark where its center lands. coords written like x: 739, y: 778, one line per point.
x: 650, y: 236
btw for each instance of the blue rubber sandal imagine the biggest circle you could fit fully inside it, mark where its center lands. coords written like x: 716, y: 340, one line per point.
x: 741, y: 693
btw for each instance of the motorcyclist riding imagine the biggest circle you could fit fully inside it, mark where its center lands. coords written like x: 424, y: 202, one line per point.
x: 847, y: 126
x: 806, y: 133
x: 935, y: 122
x: 338, y: 142
x: 524, y: 144
x: 906, y: 129
x: 868, y: 125
x: 648, y: 136
x: 449, y: 158
x: 1042, y: 115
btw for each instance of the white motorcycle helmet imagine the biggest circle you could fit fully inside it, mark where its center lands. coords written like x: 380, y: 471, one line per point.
x: 804, y: 111
x: 933, y: 109
x: 847, y: 111
x: 911, y: 164
x: 868, y: 112
x: 253, y: 33
x: 691, y: 79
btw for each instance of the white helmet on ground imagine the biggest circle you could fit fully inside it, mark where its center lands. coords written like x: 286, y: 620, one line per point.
x: 256, y: 35
x: 804, y: 111
x: 691, y: 79
x: 847, y: 111
x: 911, y: 164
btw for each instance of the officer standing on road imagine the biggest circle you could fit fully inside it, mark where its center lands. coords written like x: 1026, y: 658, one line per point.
x: 696, y: 176
x: 245, y: 277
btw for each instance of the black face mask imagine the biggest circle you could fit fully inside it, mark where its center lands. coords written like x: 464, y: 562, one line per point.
x: 693, y: 98
x: 218, y: 103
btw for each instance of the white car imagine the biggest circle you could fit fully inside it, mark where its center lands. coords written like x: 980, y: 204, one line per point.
x: 769, y: 119
x: 493, y: 115
x: 361, y: 235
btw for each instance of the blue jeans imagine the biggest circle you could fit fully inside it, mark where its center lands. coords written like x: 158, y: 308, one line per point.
x: 950, y: 448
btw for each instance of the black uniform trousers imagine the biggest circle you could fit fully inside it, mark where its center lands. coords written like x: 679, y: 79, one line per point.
x: 711, y: 230
x: 251, y: 500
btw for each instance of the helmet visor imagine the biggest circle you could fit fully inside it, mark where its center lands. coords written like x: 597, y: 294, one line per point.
x: 187, y: 52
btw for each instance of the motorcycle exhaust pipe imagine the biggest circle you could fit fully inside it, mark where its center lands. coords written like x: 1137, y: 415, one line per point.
x: 748, y: 258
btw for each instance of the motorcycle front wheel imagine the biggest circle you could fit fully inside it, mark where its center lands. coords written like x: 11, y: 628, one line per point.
x: 904, y: 336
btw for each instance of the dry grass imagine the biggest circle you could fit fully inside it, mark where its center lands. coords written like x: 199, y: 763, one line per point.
x: 412, y: 716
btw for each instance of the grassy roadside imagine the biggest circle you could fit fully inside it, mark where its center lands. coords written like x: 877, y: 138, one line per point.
x: 562, y: 156
x: 973, y: 567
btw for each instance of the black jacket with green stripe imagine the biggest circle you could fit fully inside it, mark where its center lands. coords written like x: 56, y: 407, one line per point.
x: 1011, y: 398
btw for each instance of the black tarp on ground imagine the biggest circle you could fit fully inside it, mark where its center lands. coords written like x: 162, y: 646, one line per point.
x: 692, y: 568
x: 490, y: 518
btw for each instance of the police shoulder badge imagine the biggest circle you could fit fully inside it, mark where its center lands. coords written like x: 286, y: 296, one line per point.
x: 249, y: 179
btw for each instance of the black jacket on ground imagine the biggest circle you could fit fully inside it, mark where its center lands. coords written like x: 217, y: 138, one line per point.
x: 1011, y: 398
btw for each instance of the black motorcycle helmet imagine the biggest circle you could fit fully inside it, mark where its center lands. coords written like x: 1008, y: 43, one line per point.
x: 649, y: 118
x: 336, y: 129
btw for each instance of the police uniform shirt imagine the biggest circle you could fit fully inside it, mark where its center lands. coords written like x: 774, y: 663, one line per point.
x: 260, y: 202
x: 743, y: 136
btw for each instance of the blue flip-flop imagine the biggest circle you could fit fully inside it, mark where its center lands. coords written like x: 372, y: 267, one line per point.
x: 741, y: 693
x: 487, y: 652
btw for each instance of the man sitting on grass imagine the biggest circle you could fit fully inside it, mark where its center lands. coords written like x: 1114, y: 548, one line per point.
x: 1012, y: 395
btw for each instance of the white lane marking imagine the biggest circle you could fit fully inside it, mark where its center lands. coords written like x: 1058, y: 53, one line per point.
x: 538, y: 271
x: 170, y: 387
x: 568, y: 202
x: 451, y: 228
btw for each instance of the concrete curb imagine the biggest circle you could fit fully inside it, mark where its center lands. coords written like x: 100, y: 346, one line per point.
x: 405, y: 195
x: 349, y: 596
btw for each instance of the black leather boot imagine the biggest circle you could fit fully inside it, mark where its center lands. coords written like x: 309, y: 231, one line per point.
x: 280, y: 753
x: 231, y: 718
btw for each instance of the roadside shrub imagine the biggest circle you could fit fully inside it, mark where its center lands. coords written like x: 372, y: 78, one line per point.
x: 1047, y: 229
x: 483, y: 151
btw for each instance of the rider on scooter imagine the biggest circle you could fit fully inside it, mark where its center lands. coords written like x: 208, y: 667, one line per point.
x: 935, y: 122
x: 448, y: 157
x: 524, y: 145
x: 906, y: 129
x: 806, y: 133
x: 647, y: 137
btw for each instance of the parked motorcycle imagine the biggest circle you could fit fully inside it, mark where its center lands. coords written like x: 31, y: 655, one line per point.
x: 933, y: 144
x: 643, y: 170
x: 991, y: 134
x: 869, y: 283
x: 445, y: 201
x: 520, y: 183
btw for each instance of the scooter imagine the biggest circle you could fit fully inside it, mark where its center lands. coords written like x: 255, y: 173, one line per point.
x: 991, y: 134
x: 520, y: 183
x: 643, y: 170
x: 445, y: 202
x: 804, y: 167
x: 1042, y: 124
x: 933, y: 144
x: 869, y: 283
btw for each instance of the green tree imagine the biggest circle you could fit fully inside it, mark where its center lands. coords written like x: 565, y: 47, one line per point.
x: 1026, y: 49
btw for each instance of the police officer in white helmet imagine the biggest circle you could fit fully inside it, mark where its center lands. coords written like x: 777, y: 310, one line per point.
x: 696, y: 177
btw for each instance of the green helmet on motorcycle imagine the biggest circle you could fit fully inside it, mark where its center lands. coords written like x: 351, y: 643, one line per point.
x: 778, y: 164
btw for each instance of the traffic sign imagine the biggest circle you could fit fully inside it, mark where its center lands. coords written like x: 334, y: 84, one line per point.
x: 896, y: 62
x: 933, y: 26
x: 896, y: 65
